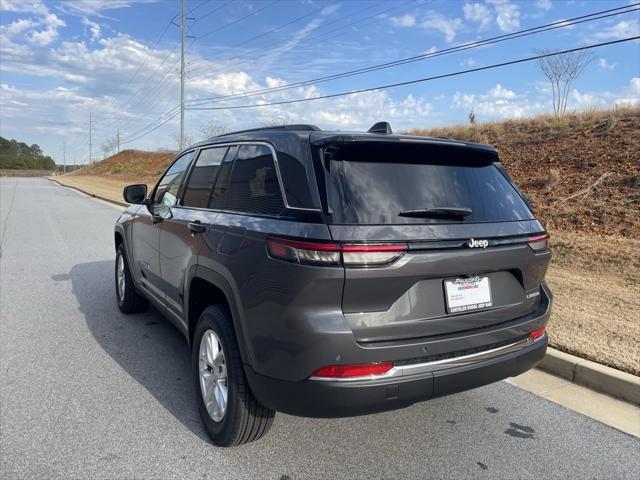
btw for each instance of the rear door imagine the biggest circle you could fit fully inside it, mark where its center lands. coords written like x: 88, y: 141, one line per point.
x: 468, y: 263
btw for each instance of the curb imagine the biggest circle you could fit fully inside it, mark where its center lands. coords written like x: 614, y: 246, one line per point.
x: 93, y: 195
x: 592, y: 375
x: 575, y: 369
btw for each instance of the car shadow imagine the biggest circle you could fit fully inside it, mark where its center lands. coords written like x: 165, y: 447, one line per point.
x: 147, y: 346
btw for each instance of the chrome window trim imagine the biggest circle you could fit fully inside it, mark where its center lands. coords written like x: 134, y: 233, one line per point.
x: 276, y: 163
x: 419, y: 368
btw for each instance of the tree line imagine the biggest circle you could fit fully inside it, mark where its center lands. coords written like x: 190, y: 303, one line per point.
x: 16, y: 155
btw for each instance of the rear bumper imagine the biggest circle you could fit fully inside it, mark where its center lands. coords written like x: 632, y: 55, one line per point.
x: 315, y: 398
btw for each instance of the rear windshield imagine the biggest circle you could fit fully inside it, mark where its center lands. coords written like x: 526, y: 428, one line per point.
x: 374, y: 184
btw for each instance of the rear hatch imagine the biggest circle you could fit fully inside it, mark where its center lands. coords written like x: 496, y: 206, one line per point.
x: 470, y: 261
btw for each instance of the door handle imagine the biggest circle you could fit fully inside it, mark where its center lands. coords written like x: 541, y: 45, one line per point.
x: 196, y: 227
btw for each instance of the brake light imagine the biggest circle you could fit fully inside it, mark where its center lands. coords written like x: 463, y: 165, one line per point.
x: 350, y: 255
x: 537, y: 334
x: 539, y: 243
x: 353, y: 371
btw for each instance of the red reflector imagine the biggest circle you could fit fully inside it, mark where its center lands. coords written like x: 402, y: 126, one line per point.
x: 537, y: 334
x: 351, y: 371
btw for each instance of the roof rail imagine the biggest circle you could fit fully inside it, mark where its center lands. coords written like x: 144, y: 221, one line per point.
x: 381, y: 127
x: 286, y: 128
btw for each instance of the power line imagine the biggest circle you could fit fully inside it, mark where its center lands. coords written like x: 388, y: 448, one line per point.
x: 212, y: 11
x: 152, y: 129
x: 238, y: 59
x: 466, y: 46
x: 215, y: 30
x: 421, y: 80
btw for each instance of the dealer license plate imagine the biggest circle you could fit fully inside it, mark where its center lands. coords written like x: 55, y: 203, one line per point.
x: 467, y: 294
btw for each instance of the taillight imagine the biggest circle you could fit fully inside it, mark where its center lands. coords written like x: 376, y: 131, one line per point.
x: 365, y: 255
x: 539, y: 243
x: 350, y: 255
x: 304, y: 252
x: 537, y: 334
x: 363, y: 370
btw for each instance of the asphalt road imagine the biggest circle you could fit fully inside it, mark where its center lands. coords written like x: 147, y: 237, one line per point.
x: 87, y: 392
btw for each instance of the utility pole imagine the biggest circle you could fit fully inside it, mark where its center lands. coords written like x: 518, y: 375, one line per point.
x: 118, y: 140
x: 90, y: 154
x: 64, y: 157
x: 181, y: 73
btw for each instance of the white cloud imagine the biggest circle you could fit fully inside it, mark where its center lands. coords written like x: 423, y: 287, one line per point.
x: 468, y: 62
x: 23, y: 6
x: 622, y: 29
x: 544, y: 4
x: 406, y: 20
x: 605, y: 65
x: 52, y: 23
x: 508, y: 15
x: 497, y: 102
x: 96, y: 7
x: 93, y: 27
x: 433, y: 49
x: 479, y: 13
x: 448, y: 27
x: 630, y: 95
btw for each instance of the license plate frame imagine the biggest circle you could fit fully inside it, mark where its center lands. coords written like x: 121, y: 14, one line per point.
x: 467, y: 294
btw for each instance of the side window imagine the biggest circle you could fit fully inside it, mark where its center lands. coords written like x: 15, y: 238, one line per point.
x: 203, y: 174
x: 216, y: 202
x: 167, y: 192
x: 253, y: 186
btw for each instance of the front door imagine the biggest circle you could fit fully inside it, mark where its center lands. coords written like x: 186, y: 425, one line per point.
x: 149, y: 223
x: 181, y: 235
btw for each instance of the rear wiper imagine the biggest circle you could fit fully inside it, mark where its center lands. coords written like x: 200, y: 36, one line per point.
x: 438, y: 212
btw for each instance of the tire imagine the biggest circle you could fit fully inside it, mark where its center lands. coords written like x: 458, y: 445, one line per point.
x: 129, y: 301
x: 244, y: 419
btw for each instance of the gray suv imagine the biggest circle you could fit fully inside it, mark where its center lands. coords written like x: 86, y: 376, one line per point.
x: 330, y: 274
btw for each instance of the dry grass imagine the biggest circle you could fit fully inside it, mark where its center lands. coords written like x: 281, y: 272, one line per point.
x: 596, y: 310
x: 133, y: 165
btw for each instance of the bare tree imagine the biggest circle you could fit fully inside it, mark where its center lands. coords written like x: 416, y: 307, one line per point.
x: 186, y: 140
x: 276, y: 121
x: 212, y: 128
x: 472, y: 117
x: 562, y: 71
x: 109, y: 145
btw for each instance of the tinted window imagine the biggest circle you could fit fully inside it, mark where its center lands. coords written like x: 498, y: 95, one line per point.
x: 203, y: 174
x: 373, y: 187
x: 168, y: 190
x: 296, y: 183
x: 216, y: 201
x: 253, y: 186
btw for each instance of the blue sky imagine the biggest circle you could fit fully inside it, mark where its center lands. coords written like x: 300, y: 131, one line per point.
x: 61, y: 60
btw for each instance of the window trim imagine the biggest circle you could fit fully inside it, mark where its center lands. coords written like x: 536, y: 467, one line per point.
x: 274, y: 156
x: 187, y: 170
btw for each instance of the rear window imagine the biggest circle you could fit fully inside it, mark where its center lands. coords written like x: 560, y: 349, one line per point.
x: 373, y: 184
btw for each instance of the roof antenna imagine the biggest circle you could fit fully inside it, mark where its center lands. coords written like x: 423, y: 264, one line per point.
x: 381, y: 127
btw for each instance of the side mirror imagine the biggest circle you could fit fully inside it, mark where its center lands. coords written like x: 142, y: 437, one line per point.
x: 135, y: 193
x: 160, y: 213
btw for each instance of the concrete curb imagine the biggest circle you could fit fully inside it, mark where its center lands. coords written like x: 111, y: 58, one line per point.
x: 575, y: 369
x: 592, y: 375
x: 100, y: 197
